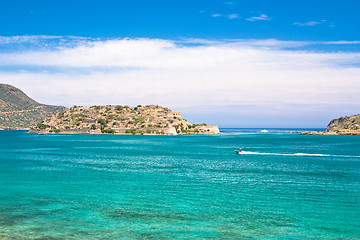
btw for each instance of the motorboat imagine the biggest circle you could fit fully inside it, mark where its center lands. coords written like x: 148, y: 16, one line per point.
x: 239, y: 151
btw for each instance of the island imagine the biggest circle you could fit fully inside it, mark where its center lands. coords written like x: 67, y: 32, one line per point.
x: 118, y: 119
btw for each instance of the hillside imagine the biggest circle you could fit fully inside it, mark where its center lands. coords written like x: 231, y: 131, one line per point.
x: 150, y: 119
x: 18, y: 111
x: 349, y: 125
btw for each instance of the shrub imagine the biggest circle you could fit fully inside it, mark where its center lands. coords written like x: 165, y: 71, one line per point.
x: 122, y: 119
x: 57, y: 130
x: 132, y: 131
x: 67, y: 127
x: 108, y: 131
x: 93, y: 127
x: 102, y: 121
x: 41, y: 126
x: 51, y: 131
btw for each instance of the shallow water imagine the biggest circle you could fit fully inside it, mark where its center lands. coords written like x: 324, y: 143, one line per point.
x: 179, y: 187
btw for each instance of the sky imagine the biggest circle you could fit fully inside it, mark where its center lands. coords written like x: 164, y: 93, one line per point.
x: 245, y: 63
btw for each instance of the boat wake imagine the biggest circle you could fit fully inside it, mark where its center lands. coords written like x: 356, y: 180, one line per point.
x: 295, y: 154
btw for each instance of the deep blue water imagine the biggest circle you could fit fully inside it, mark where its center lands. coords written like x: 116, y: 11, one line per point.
x: 179, y: 187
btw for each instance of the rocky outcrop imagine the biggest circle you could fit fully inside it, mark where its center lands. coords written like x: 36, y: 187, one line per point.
x: 349, y: 125
x: 111, y: 119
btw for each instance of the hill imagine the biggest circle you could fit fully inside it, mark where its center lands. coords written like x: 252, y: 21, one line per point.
x: 349, y: 125
x: 18, y: 111
x: 150, y: 119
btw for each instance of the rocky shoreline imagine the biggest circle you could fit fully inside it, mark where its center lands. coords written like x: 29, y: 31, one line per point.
x: 330, y: 133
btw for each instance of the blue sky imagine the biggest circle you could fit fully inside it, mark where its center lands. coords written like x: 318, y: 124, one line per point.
x: 285, y: 20
x: 245, y: 63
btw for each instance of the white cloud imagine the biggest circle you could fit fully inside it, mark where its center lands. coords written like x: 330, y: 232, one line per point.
x: 309, y: 24
x: 21, y: 39
x: 233, y: 16
x: 228, y: 16
x: 213, y: 75
x: 262, y: 17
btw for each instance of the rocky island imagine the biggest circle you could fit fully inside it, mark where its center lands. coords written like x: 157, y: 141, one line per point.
x: 117, y: 119
x: 349, y: 125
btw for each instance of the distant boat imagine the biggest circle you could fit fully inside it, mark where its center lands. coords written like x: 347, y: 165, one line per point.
x: 264, y: 131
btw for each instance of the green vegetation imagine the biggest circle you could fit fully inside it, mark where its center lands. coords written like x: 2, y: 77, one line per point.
x: 57, y: 130
x: 122, y: 119
x: 102, y: 121
x: 132, y: 131
x: 108, y: 131
x: 41, y: 126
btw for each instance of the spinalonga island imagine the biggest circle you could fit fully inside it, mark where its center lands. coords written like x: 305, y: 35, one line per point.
x: 117, y: 119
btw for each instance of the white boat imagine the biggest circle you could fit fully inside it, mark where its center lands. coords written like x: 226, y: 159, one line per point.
x: 264, y: 131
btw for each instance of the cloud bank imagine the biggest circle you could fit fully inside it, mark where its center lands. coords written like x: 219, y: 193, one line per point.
x: 247, y: 81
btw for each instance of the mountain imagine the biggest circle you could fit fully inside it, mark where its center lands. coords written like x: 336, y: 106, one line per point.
x: 349, y: 125
x: 149, y: 119
x: 18, y: 111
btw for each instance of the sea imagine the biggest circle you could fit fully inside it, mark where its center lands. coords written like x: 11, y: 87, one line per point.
x: 60, y: 186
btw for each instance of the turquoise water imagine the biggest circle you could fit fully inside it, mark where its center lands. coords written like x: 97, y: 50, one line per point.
x: 179, y: 187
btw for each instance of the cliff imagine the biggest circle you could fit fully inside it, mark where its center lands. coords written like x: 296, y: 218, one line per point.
x: 18, y: 111
x: 150, y: 119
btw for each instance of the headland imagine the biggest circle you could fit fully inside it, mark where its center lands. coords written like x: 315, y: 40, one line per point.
x: 349, y: 125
